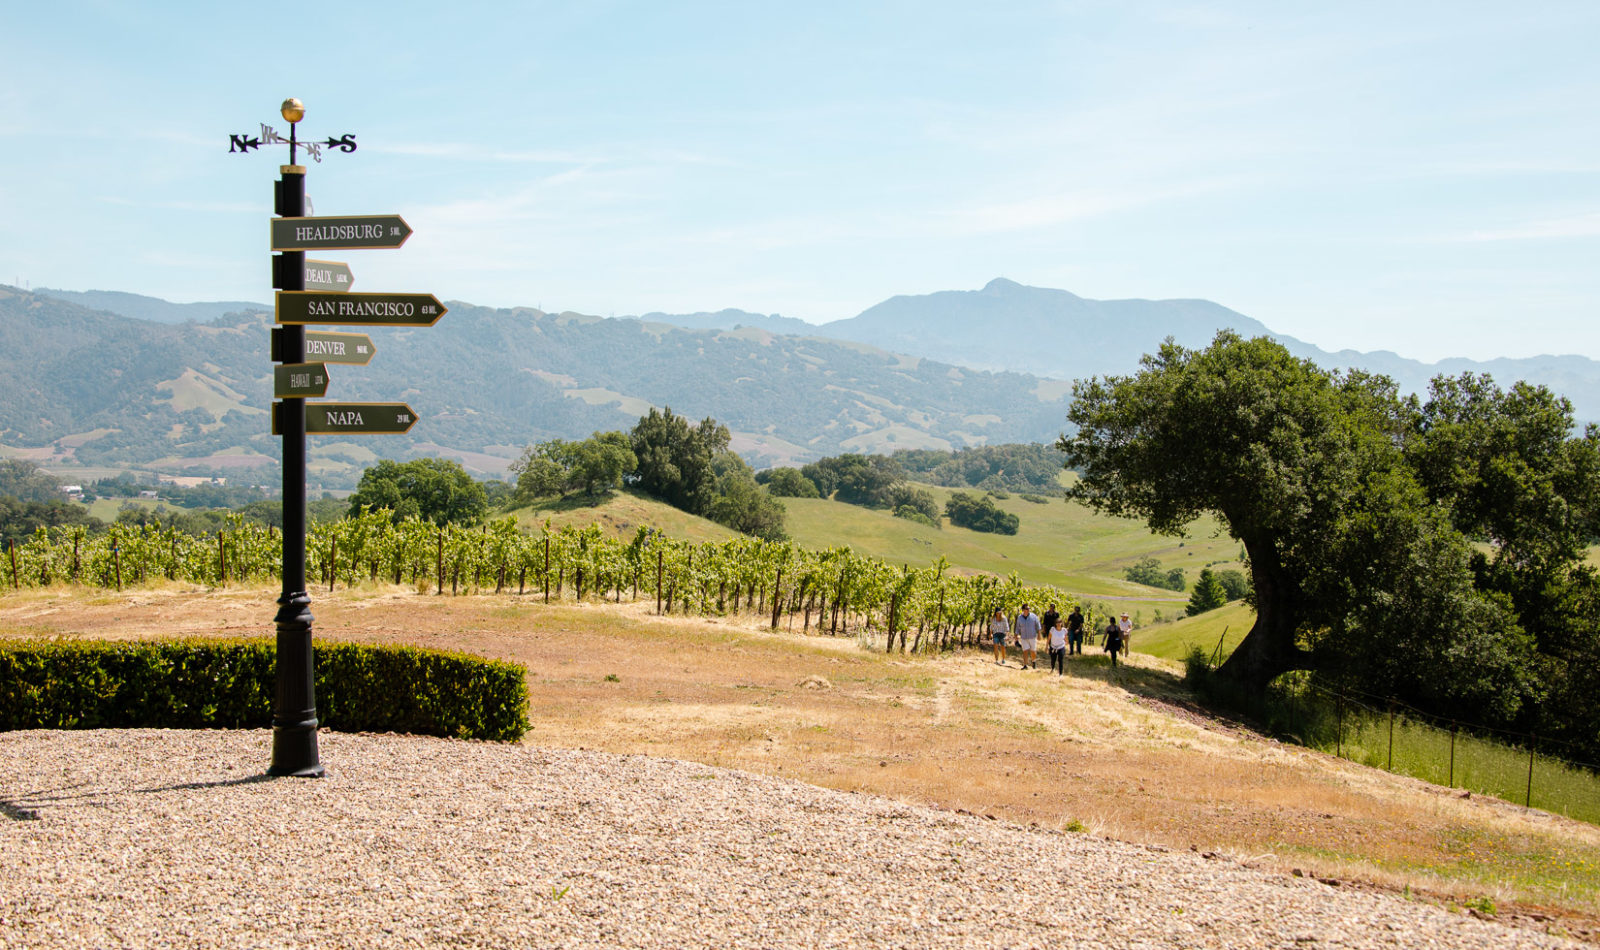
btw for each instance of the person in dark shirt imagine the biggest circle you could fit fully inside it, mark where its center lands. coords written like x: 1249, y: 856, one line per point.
x: 1113, y: 640
x: 1075, y: 631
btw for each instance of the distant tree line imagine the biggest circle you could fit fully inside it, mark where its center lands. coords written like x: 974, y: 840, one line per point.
x: 1147, y: 571
x: 1021, y: 467
x: 879, y: 481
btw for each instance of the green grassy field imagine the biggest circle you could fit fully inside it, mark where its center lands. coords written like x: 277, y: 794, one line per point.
x: 1060, y: 543
x: 1427, y: 752
x: 1225, y: 625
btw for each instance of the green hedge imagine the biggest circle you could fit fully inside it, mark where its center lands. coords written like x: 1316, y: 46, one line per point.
x: 228, y: 684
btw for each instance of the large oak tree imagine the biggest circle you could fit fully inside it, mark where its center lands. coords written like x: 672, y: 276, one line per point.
x: 1355, y: 569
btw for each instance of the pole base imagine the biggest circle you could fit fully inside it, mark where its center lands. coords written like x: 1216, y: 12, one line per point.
x: 294, y: 751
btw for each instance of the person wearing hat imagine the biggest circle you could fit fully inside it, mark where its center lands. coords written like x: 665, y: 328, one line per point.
x: 1126, y: 626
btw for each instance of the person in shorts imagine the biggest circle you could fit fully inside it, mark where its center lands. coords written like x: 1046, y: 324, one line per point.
x: 1126, y: 626
x: 998, y: 629
x: 1028, y: 637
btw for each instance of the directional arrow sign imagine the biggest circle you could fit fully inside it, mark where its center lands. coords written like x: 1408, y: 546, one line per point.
x: 355, y: 349
x: 328, y: 275
x: 360, y: 230
x: 300, y: 380
x: 353, y: 418
x: 371, y: 310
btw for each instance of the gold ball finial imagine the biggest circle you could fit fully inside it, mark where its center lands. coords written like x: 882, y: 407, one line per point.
x: 293, y: 110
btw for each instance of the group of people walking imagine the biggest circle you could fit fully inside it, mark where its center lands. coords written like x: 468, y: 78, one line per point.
x: 1065, y: 636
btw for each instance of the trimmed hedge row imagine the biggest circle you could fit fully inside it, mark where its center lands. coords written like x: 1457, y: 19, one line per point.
x: 228, y: 684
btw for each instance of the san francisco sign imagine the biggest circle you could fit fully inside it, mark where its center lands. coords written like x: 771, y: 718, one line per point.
x: 373, y: 310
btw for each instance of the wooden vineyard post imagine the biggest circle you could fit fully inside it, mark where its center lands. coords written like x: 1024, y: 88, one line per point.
x: 1533, y: 745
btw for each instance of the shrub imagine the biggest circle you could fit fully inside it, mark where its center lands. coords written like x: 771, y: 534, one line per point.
x: 229, y: 684
x: 979, y: 514
x: 912, y: 514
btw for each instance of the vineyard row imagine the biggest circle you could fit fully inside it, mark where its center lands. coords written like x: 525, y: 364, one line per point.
x: 830, y: 588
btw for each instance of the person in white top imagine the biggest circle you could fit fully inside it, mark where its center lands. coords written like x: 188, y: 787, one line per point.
x: 1058, y: 646
x: 1127, y: 633
x: 998, y: 628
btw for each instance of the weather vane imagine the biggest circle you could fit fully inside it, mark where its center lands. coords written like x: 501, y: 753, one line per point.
x: 293, y: 111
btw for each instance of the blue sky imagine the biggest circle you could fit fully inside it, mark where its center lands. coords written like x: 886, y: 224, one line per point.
x: 1419, y: 177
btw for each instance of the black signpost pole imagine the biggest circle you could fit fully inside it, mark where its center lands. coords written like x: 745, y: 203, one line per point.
x: 294, y: 712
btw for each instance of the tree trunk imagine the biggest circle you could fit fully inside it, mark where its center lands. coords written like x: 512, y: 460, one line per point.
x: 1269, y: 650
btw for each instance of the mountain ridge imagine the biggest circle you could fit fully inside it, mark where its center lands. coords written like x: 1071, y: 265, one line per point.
x: 92, y: 387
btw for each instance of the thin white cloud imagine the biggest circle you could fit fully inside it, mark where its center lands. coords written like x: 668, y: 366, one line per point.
x: 210, y: 207
x: 1562, y: 228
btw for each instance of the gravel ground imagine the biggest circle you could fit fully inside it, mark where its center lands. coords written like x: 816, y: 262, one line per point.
x: 155, y: 838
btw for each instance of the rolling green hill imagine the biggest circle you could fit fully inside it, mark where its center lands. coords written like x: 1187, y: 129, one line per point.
x: 1060, y: 543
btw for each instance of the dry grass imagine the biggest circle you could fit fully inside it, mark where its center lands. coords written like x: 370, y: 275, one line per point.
x: 1102, y: 750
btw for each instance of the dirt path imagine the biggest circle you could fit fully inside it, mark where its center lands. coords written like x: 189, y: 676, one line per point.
x: 1094, y: 749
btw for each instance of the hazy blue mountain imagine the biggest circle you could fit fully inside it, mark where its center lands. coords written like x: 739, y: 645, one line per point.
x: 1035, y: 330
x: 732, y: 320
x: 153, y: 309
x: 93, y: 387
x: 1056, y: 334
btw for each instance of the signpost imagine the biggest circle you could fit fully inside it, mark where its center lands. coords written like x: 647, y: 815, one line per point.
x: 369, y: 310
x: 328, y: 275
x: 300, y: 380
x: 354, y: 349
x: 357, y: 418
x: 315, y: 292
x: 350, y: 231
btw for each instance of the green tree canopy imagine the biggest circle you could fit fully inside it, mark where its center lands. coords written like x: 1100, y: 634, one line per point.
x: 980, y: 513
x: 436, y: 490
x: 1208, y: 593
x: 25, y: 480
x: 1351, y: 566
x: 787, y: 483
x: 856, y: 479
x: 675, y: 458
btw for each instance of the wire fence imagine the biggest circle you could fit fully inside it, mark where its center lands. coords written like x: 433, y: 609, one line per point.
x: 1549, y: 774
